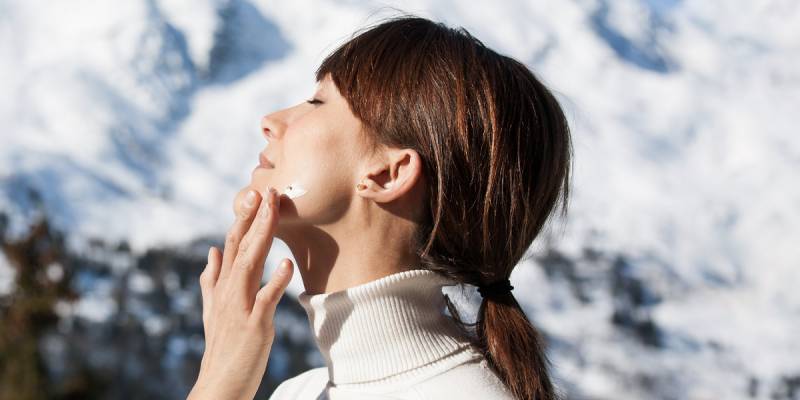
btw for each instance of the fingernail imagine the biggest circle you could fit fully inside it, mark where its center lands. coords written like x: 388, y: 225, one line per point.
x: 250, y: 199
x: 283, y: 269
x: 265, y: 210
x: 277, y: 199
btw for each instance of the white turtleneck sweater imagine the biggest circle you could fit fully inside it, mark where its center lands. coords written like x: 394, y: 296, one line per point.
x: 390, y: 339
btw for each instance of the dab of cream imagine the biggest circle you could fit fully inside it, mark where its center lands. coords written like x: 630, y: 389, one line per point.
x: 294, y: 190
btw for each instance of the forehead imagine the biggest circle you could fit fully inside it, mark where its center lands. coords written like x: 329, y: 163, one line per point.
x: 326, y: 82
x: 327, y: 87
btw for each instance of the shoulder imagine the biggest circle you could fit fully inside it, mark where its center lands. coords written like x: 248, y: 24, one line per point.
x: 308, y: 384
x: 470, y: 380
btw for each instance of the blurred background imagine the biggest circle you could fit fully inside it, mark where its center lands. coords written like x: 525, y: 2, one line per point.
x: 128, y: 127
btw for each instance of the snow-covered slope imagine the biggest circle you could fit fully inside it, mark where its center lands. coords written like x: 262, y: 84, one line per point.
x: 675, y: 275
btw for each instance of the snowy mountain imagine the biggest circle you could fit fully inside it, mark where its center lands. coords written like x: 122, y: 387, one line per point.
x: 674, y: 275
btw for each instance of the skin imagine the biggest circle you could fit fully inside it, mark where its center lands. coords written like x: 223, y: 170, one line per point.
x: 340, y: 235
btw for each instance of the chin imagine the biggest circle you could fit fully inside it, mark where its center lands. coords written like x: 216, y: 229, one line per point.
x: 288, y: 212
x: 261, y: 177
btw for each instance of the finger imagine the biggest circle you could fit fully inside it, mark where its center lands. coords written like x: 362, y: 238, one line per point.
x: 237, y: 231
x: 268, y: 296
x: 249, y: 264
x: 209, y: 275
x: 214, y: 264
x: 208, y: 279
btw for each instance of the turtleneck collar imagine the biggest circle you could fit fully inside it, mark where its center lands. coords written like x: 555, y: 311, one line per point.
x: 387, y: 329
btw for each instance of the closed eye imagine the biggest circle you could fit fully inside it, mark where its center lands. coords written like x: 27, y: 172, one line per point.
x: 314, y: 101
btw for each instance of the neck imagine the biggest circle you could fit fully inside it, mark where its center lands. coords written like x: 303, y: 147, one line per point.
x: 331, y: 259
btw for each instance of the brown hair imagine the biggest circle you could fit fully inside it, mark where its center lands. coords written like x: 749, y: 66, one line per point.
x: 496, y: 153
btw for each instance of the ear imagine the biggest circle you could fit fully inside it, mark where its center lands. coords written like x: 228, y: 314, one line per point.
x: 392, y: 177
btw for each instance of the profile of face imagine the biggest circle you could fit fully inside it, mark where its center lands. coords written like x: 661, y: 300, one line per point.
x: 316, y: 144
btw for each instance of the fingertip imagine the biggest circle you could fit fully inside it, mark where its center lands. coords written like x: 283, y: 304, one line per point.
x: 277, y: 199
x: 214, y: 255
x: 287, y: 267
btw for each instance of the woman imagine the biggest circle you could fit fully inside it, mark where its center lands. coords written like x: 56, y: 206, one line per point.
x: 427, y: 160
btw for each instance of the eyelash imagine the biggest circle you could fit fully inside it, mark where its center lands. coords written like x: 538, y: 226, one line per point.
x: 314, y: 101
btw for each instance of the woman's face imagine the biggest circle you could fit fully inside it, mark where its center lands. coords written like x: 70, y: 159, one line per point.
x: 316, y: 145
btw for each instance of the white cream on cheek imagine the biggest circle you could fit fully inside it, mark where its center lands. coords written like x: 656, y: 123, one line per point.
x: 294, y: 190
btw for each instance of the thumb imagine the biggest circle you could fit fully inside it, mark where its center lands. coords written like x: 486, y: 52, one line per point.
x: 268, y: 296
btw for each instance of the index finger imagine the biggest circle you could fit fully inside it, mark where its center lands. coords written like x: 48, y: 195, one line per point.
x: 249, y: 265
x: 244, y: 218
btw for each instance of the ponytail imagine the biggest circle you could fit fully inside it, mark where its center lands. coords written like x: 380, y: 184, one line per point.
x: 514, y: 348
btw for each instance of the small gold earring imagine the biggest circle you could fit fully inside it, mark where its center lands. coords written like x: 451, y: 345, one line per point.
x: 361, y: 186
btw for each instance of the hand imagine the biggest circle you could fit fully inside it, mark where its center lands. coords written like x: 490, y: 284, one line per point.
x: 237, y: 315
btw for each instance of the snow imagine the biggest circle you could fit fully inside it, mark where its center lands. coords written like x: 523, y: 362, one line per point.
x: 7, y: 275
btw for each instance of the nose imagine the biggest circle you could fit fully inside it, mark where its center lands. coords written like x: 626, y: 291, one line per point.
x: 268, y: 127
x: 274, y: 125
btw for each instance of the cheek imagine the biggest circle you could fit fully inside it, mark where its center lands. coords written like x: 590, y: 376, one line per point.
x: 324, y: 167
x: 317, y: 146
x: 322, y: 162
x: 320, y: 155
